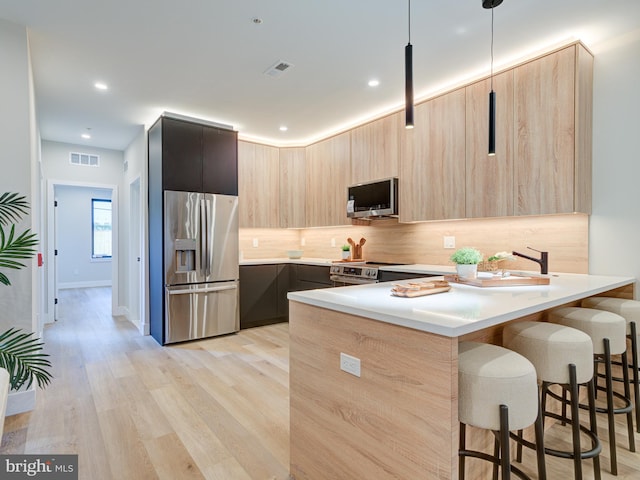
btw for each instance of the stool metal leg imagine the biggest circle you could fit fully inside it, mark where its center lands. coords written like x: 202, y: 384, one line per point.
x: 539, y: 432
x: 575, y: 422
x: 496, y: 453
x: 627, y: 394
x: 610, y: 407
x: 504, y: 443
x: 462, y: 447
x: 591, y: 391
x: 634, y: 365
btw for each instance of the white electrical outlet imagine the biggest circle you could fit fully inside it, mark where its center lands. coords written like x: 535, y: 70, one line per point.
x: 303, y: 242
x: 350, y: 364
x: 255, y: 243
x: 333, y: 242
x: 449, y: 242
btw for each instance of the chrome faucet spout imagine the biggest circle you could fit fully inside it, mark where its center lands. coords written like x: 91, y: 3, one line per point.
x: 543, y: 261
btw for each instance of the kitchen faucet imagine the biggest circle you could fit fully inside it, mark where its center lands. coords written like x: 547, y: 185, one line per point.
x: 543, y: 260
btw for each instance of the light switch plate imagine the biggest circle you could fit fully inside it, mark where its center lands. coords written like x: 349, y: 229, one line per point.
x: 255, y: 243
x: 449, y: 242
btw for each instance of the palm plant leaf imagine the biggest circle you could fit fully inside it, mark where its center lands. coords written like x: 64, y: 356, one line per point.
x: 14, y: 248
x: 21, y: 356
x: 12, y: 207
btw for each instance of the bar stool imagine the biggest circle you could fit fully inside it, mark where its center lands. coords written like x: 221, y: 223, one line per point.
x: 498, y: 391
x: 608, y: 334
x: 562, y: 356
x: 630, y: 310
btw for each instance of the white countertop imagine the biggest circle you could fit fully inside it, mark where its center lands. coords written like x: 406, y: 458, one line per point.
x: 464, y: 308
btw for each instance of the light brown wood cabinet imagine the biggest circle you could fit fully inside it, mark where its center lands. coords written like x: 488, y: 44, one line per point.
x: 431, y: 183
x: 489, y: 179
x: 375, y: 148
x: 328, y: 174
x: 258, y: 185
x: 292, y: 187
x: 553, y: 106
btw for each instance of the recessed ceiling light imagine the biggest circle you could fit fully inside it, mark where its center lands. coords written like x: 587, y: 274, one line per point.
x: 374, y: 83
x: 86, y: 136
x: 284, y: 128
x: 101, y: 86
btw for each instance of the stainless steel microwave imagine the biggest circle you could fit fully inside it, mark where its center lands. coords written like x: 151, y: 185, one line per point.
x: 373, y: 199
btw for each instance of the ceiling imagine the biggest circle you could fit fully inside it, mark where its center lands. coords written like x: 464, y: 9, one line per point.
x: 206, y: 58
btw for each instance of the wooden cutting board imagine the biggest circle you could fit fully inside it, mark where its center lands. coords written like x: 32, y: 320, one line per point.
x: 510, y: 281
x: 419, y: 289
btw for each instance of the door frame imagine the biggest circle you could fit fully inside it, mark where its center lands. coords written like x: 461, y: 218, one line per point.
x: 51, y: 284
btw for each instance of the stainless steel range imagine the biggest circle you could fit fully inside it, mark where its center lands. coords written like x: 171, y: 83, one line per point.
x: 355, y: 273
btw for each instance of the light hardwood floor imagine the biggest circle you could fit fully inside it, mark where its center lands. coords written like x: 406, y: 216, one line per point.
x: 214, y: 409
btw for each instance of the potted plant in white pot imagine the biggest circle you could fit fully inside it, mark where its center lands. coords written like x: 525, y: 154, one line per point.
x: 466, y: 260
x: 20, y: 352
x: 346, y: 251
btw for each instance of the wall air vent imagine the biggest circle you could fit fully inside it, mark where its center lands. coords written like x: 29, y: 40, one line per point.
x: 84, y: 159
x: 278, y: 68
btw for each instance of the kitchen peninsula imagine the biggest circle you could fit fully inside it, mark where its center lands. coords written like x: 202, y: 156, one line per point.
x: 398, y: 418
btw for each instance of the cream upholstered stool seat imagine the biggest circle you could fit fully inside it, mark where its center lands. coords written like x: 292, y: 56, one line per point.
x: 498, y: 391
x: 564, y: 356
x: 630, y: 311
x: 608, y: 334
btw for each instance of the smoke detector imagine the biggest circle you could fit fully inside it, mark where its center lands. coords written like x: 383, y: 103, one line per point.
x: 278, y: 68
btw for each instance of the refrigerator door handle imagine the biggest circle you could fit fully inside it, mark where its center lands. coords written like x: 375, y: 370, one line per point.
x: 207, y: 247
x: 202, y: 290
x: 203, y: 244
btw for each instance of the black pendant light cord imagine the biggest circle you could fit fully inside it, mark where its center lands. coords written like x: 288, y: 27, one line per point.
x: 491, y: 48
x: 409, y: 21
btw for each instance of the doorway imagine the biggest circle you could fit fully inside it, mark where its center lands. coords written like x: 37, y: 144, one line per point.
x: 74, y: 262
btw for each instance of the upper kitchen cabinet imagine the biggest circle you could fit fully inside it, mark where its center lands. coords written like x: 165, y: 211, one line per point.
x: 328, y: 175
x: 258, y: 178
x: 375, y: 148
x: 192, y: 157
x: 553, y: 105
x: 489, y: 179
x: 292, y: 188
x: 432, y: 161
x: 219, y: 161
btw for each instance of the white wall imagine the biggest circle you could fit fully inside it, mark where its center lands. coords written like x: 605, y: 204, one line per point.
x: 76, y: 268
x: 132, y: 282
x: 57, y: 169
x: 615, y: 223
x: 17, y: 159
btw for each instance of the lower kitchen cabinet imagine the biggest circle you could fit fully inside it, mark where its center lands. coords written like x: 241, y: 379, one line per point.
x: 263, y: 294
x: 385, y: 276
x: 264, y: 288
x: 308, y: 277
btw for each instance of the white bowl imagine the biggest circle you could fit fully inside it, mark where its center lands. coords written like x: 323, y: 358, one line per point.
x: 294, y: 254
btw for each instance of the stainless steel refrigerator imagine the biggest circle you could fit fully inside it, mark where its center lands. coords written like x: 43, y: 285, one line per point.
x: 201, y: 265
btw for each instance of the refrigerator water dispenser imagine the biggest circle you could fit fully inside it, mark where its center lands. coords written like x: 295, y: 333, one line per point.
x: 185, y: 251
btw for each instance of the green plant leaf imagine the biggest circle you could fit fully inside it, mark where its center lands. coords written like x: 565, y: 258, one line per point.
x: 21, y: 355
x: 12, y: 207
x: 15, y: 248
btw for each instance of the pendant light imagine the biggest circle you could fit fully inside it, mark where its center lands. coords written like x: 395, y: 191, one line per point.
x: 408, y: 79
x: 492, y: 95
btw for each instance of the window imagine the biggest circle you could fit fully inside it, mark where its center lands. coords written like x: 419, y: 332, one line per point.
x: 100, y: 228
